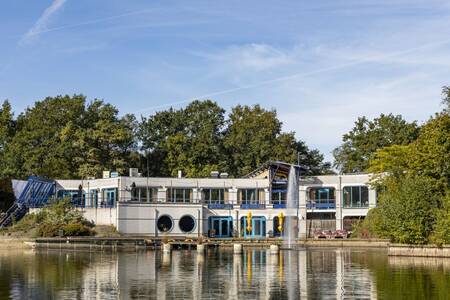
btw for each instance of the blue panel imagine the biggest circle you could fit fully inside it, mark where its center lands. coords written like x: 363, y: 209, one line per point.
x: 220, y: 206
x: 279, y: 206
x: 253, y: 206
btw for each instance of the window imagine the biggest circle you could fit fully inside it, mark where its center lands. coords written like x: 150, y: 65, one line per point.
x: 164, y: 223
x: 93, y: 198
x: 179, y: 195
x: 187, y: 224
x: 279, y: 196
x: 322, y: 197
x: 356, y: 196
x: 144, y: 194
x: 213, y: 196
x: 73, y: 195
x: 250, y: 196
x: 109, y: 197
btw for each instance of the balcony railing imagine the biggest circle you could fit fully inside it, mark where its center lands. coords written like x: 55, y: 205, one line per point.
x: 252, y: 206
x: 220, y: 206
x: 321, y: 204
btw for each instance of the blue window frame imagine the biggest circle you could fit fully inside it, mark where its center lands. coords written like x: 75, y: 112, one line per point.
x: 220, y: 227
x: 73, y: 195
x: 109, y: 197
x: 321, y: 198
x: 258, y: 227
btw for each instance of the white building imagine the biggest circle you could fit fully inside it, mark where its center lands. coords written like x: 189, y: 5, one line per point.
x: 220, y: 206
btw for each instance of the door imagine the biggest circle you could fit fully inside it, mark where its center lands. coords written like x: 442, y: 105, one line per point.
x: 220, y: 227
x: 258, y: 227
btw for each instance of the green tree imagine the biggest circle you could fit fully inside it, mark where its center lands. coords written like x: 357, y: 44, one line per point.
x: 188, y: 139
x: 446, y: 98
x: 251, y: 138
x: 106, y: 142
x: 430, y: 153
x: 361, y: 143
x: 44, y: 140
x: 406, y: 210
x: 7, y: 130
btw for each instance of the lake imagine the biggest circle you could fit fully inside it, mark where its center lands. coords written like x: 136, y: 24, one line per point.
x: 317, y: 273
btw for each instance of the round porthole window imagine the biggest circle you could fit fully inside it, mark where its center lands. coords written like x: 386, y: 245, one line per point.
x: 165, y: 223
x: 187, y: 224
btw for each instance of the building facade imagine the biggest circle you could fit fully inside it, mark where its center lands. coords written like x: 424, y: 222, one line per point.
x: 254, y: 206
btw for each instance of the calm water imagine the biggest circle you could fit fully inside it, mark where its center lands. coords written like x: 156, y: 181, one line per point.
x: 313, y: 274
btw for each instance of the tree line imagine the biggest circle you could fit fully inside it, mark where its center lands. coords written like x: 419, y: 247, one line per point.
x: 71, y: 137
x: 412, y: 167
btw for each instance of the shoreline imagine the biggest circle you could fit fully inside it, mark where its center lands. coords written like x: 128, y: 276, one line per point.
x: 153, y: 243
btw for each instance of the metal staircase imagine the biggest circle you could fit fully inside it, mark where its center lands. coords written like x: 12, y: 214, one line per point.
x: 36, y: 193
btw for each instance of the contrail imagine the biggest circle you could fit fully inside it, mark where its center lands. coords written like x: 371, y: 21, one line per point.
x: 299, y: 74
x: 94, y: 21
x: 41, y: 23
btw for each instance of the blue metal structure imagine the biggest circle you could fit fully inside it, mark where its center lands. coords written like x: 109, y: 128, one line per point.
x: 36, y: 193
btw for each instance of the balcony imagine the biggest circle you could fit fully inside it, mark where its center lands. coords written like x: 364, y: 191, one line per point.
x: 253, y: 206
x: 321, y: 204
x: 220, y: 206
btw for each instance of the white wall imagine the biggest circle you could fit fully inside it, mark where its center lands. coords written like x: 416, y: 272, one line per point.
x: 101, y: 216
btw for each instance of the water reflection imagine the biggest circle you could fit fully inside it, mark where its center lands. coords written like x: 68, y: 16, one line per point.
x: 219, y: 274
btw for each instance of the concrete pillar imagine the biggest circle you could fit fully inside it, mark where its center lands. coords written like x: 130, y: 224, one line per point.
x: 196, y: 195
x: 302, y: 213
x: 237, y: 248
x: 232, y: 196
x: 372, y: 198
x: 274, y: 249
x: 162, y: 194
x: 339, y: 208
x: 200, y: 248
x: 267, y: 196
x: 166, y: 248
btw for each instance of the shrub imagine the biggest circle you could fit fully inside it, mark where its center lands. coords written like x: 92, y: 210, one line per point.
x: 77, y: 229
x: 406, y: 211
x: 441, y: 233
x: 48, y: 229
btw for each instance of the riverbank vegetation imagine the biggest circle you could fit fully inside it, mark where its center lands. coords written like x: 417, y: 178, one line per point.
x: 56, y: 219
x: 413, y: 181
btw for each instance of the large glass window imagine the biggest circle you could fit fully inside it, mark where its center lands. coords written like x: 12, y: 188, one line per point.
x: 213, y: 196
x: 76, y: 197
x: 250, y: 196
x: 356, y: 196
x: 278, y: 196
x: 144, y: 194
x: 322, y: 197
x: 179, y: 195
x: 109, y: 197
x: 93, y: 198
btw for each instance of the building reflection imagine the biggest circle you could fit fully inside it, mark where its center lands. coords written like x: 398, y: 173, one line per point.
x: 216, y: 274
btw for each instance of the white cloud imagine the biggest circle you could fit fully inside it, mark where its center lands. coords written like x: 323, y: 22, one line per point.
x: 41, y: 24
x: 251, y: 57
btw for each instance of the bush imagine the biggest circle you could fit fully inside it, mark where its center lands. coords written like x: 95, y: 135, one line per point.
x: 48, y: 229
x: 55, y: 217
x: 407, y: 210
x: 441, y: 233
x: 77, y: 229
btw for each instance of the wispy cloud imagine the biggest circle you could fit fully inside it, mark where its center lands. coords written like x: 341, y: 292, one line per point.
x: 42, y: 23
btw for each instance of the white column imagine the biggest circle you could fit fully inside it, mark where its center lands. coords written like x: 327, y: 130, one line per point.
x: 338, y: 208
x: 196, y: 195
x: 267, y: 196
x: 302, y: 212
x: 162, y: 194
x: 232, y: 195
x: 372, y: 198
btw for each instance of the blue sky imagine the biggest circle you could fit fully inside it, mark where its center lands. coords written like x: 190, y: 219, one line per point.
x: 320, y: 64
